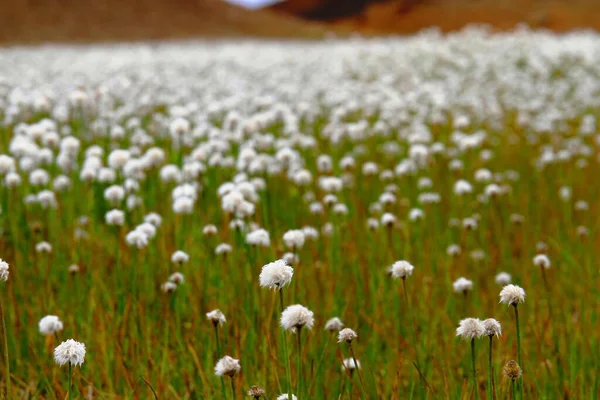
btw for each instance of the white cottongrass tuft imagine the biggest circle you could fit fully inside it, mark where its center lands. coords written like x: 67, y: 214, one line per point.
x: 259, y: 237
x: 180, y: 257
x: 512, y: 295
x: 50, y: 324
x: 227, y: 366
x: 3, y: 270
x: 347, y: 335
x: 216, y: 317
x: 492, y: 327
x: 541, y: 261
x: 503, y: 278
x: 69, y: 351
x: 294, y: 239
x: 276, y: 275
x: 177, y: 278
x: 334, y: 325
x: 348, y: 364
x: 43, y: 247
x: 296, y: 317
x: 470, y: 328
x: 462, y: 285
x: 168, y: 287
x: 285, y: 397
x: 401, y: 269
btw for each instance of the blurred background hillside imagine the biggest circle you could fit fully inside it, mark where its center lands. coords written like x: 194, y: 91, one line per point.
x: 35, y: 21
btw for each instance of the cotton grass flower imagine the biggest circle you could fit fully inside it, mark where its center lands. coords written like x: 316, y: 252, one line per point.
x: 492, y: 328
x: 334, y: 325
x: 168, y: 287
x: 462, y: 285
x: 3, y: 270
x: 503, y: 278
x: 216, y: 317
x: 70, y: 352
x: 276, y: 275
x: 542, y: 261
x: 512, y: 370
x: 179, y: 257
x: 177, y: 278
x: 349, y: 365
x: 286, y: 397
x: 296, y: 317
x: 43, y: 247
x: 227, y: 366
x: 471, y: 329
x: 512, y: 295
x: 50, y: 324
x: 346, y: 335
x: 256, y: 392
x: 401, y: 269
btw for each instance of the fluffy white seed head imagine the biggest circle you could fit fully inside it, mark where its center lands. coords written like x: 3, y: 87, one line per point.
x: 296, y: 317
x: 115, y: 217
x: 347, y: 335
x: 512, y: 295
x: 216, y: 317
x: 168, y: 287
x: 276, y: 275
x: 503, y: 278
x: 492, y: 327
x: 3, y: 270
x: 285, y: 397
x: 259, y: 237
x: 177, y: 278
x: 227, y: 366
x: 401, y: 269
x: 541, y: 261
x: 462, y: 285
x: 349, y: 365
x: 294, y: 238
x: 50, y: 324
x: 43, y: 247
x: 180, y: 257
x: 69, y: 351
x: 334, y: 325
x: 470, y: 328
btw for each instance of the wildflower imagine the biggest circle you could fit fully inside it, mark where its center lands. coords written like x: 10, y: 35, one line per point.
x: 492, y: 327
x: 71, y: 352
x: 334, y: 325
x: 259, y: 237
x: 470, y: 328
x: 43, y: 247
x: 73, y: 268
x: 256, y: 392
x: 462, y: 285
x: 177, y: 278
x: 512, y: 295
x: 3, y: 270
x: 285, y: 397
x: 223, y: 248
x: 209, y: 230
x: 276, y: 275
x: 512, y: 370
x: 227, y: 366
x: 348, y: 364
x: 401, y: 269
x: 115, y: 217
x: 180, y: 257
x: 50, y: 324
x: 168, y: 287
x: 216, y: 317
x: 346, y: 335
x: 541, y: 261
x: 295, y: 317
x: 503, y: 278
x: 453, y: 250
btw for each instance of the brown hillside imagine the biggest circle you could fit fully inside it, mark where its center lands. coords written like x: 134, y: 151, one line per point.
x: 33, y: 21
x: 407, y: 16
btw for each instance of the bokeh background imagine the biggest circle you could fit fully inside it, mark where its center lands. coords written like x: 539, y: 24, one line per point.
x: 39, y: 21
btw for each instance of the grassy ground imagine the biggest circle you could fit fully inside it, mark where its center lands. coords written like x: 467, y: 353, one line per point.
x: 407, y: 346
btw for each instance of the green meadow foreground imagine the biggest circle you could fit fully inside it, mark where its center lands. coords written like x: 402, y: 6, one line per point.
x: 403, y: 218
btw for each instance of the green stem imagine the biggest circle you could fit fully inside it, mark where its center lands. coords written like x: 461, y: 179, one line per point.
x: 362, y: 386
x: 299, y: 389
x: 232, y: 387
x: 490, y: 373
x: 70, y: 379
x: 519, y: 348
x: 6, y: 363
x: 512, y: 388
x: 475, y: 386
x: 285, y: 351
x: 218, y: 356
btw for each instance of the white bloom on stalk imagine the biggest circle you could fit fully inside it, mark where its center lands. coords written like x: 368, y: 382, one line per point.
x: 541, y: 261
x: 401, y: 269
x: 227, y: 366
x: 69, y: 352
x: 470, y: 328
x: 349, y: 365
x: 503, y: 278
x: 3, y: 270
x: 223, y: 248
x: 492, y: 327
x: 462, y: 285
x: 259, y: 237
x: 177, y: 278
x: 276, y: 275
x: 168, y: 287
x: 294, y: 238
x: 334, y: 325
x: 180, y: 257
x: 115, y: 217
x: 346, y: 335
x: 296, y: 317
x: 216, y: 317
x: 285, y: 397
x: 43, y: 247
x: 50, y: 324
x: 209, y: 230
x: 512, y: 295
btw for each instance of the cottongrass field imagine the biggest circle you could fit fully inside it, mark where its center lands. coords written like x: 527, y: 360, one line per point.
x: 402, y: 218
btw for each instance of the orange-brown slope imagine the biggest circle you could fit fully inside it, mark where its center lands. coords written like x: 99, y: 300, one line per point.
x: 33, y: 21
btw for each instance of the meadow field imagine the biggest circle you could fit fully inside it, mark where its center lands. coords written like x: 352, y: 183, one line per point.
x: 393, y: 218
